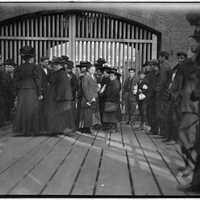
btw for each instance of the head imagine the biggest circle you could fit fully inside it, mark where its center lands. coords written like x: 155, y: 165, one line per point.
x: 156, y: 68
x: 163, y: 56
x: 44, y: 61
x: 141, y: 75
x: 91, y: 69
x: 181, y: 56
x: 132, y: 72
x: 193, y: 45
x: 113, y: 76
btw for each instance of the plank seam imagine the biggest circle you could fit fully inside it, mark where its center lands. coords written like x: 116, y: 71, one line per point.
x: 80, y: 168
x: 98, y: 173
x: 128, y: 164
x: 60, y: 164
x: 21, y: 157
x: 164, y: 160
x: 34, y: 166
x: 154, y: 176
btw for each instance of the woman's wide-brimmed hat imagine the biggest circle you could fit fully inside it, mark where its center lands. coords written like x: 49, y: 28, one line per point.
x: 114, y: 71
x: 57, y: 61
x: 86, y: 64
x: 27, y: 51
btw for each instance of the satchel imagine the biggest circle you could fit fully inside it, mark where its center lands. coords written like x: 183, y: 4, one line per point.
x: 110, y: 107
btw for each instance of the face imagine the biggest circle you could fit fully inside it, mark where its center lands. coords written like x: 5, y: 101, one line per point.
x: 181, y: 59
x: 112, y: 77
x: 83, y: 69
x: 142, y: 76
x: 69, y: 70
x: 105, y: 73
x: 45, y: 63
x: 193, y: 44
x: 161, y: 58
x: 132, y: 74
x: 92, y: 70
x: 156, y: 68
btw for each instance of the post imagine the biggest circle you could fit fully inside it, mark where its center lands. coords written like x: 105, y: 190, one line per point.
x: 154, y: 46
x: 72, y: 34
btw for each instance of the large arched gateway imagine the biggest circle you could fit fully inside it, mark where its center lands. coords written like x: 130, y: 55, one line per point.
x: 81, y: 35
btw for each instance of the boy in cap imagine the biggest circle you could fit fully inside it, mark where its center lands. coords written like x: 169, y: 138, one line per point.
x: 129, y: 94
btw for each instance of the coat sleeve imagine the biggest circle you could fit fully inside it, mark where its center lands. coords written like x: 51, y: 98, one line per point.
x: 37, y: 77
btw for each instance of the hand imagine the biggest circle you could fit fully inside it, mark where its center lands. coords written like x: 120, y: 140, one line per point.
x: 40, y: 97
x: 93, y: 99
x: 89, y: 104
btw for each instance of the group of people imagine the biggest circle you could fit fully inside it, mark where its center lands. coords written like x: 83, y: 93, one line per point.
x: 54, y: 97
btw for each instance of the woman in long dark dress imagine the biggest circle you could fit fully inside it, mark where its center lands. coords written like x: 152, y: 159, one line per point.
x: 112, y: 97
x: 28, y: 80
x: 60, y: 118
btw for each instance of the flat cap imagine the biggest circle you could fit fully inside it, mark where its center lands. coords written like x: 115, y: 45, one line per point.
x: 164, y: 54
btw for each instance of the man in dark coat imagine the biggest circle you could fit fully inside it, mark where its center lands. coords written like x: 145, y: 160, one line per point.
x: 161, y: 88
x: 151, y: 101
x: 129, y: 94
x: 83, y: 71
x: 174, y: 89
x: 45, y: 72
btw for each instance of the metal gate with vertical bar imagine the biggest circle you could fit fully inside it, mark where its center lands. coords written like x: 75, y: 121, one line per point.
x: 81, y: 35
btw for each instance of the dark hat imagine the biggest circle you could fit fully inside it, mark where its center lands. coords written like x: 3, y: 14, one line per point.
x: 69, y: 63
x: 193, y: 18
x: 101, y: 61
x: 27, y: 51
x: 10, y: 62
x: 181, y: 53
x: 43, y: 58
x: 153, y: 62
x: 106, y: 69
x: 84, y: 64
x: 114, y: 71
x: 131, y: 69
x: 65, y: 58
x: 164, y: 54
x: 57, y: 60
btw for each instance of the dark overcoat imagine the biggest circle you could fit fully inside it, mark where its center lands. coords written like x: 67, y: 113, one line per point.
x: 28, y: 78
x: 59, y: 103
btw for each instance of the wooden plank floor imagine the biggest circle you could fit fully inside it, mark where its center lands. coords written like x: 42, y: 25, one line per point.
x: 128, y: 162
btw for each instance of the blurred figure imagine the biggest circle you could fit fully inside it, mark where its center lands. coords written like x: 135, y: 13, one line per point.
x: 129, y: 94
x: 9, y: 88
x: 28, y: 79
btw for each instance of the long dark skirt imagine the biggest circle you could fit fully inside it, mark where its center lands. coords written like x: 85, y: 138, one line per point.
x: 27, y: 113
x: 60, y: 115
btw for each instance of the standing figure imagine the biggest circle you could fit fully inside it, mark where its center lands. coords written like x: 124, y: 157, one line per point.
x: 45, y: 73
x: 89, y: 99
x: 83, y: 71
x: 28, y: 79
x: 141, y: 98
x: 9, y: 88
x: 175, y: 90
x: 112, y: 112
x: 129, y: 94
x: 151, y: 97
x: 59, y: 101
x: 104, y: 82
x: 161, y: 88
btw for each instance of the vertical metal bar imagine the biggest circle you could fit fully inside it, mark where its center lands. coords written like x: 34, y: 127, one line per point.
x: 104, y: 27
x: 112, y: 26
x: 154, y: 46
x: 99, y: 26
x: 6, y: 42
x: 108, y: 27
x: 57, y: 25
x: 2, y: 43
